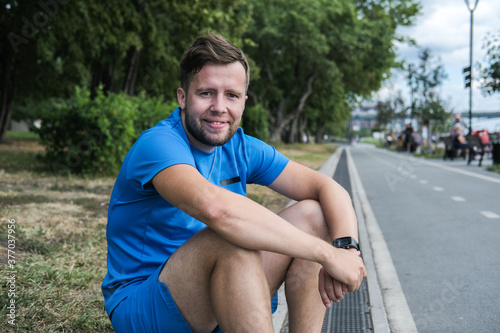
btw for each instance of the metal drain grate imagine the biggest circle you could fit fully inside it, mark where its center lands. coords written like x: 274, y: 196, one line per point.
x: 341, y: 175
x: 351, y: 315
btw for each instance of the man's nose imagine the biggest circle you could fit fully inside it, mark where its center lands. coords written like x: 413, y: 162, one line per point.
x: 218, y: 104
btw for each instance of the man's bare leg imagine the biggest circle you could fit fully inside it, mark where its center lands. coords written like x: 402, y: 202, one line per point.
x: 240, y: 282
x: 215, y: 282
x: 305, y: 307
x: 306, y: 310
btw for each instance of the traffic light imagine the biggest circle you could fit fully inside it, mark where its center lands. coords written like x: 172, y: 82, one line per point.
x: 468, y: 76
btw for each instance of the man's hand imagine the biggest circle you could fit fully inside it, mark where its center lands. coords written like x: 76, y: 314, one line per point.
x: 345, y: 273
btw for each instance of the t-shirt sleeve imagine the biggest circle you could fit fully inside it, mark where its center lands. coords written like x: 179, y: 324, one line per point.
x: 265, y: 162
x: 154, y: 151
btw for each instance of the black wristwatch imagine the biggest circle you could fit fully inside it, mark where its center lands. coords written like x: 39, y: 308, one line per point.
x: 346, y: 243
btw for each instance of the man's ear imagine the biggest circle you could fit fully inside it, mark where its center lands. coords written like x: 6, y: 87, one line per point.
x: 181, y: 98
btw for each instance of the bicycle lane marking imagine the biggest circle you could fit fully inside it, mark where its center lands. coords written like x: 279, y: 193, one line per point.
x: 437, y: 165
x: 490, y: 215
x: 487, y: 214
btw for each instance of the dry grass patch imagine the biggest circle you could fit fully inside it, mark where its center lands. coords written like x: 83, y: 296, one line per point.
x: 312, y: 156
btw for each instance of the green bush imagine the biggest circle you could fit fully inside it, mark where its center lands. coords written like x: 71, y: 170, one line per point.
x: 255, y: 122
x: 92, y: 136
x: 150, y: 110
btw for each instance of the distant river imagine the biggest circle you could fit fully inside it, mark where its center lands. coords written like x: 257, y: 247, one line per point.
x: 490, y: 124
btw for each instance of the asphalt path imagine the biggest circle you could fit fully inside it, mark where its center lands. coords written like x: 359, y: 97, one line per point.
x: 440, y: 221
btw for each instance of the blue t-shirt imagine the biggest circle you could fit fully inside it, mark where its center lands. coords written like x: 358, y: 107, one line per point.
x: 144, y: 229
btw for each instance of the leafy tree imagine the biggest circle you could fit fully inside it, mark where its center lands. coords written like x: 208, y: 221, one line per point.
x: 424, y: 81
x: 390, y: 109
x: 19, y: 27
x: 51, y: 46
x: 298, y: 43
x: 169, y: 27
x: 490, y: 74
x: 328, y: 108
x: 288, y: 46
x: 309, y: 58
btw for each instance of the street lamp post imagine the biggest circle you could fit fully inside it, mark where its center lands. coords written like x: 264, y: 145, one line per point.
x: 469, y: 84
x: 410, y: 83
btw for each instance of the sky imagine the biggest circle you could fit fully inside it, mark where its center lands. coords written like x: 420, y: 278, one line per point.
x: 444, y: 27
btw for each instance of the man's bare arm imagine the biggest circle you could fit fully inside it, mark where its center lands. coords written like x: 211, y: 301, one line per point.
x: 249, y: 225
x: 299, y: 182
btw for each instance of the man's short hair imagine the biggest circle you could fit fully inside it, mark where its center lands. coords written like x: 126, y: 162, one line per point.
x: 209, y: 48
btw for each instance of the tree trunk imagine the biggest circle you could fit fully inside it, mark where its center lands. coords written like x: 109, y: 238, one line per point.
x: 280, y: 125
x: 4, y: 119
x: 303, y: 136
x: 319, y: 131
x: 101, y: 74
x: 129, y: 86
x: 8, y: 90
x: 292, y: 133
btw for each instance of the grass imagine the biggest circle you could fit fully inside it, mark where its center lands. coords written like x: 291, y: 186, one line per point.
x: 312, y: 156
x: 20, y: 136
x: 494, y: 168
x: 60, y: 244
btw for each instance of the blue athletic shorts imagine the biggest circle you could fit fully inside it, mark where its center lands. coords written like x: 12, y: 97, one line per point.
x: 151, y: 308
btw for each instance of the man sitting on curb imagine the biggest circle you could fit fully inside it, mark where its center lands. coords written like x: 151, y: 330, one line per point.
x: 188, y: 252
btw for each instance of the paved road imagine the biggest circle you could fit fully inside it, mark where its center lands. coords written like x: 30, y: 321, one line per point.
x: 441, y: 223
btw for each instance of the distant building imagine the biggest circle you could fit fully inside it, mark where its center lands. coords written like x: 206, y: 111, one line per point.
x: 364, y: 116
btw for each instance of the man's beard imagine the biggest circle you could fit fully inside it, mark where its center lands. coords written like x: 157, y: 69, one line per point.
x: 199, y: 133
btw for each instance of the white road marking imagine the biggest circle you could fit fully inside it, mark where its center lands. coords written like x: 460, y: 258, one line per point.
x: 490, y: 215
x: 423, y: 181
x: 435, y: 164
x: 458, y: 199
x: 438, y: 189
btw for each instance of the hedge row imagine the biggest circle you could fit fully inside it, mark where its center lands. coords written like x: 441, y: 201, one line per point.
x: 92, y: 136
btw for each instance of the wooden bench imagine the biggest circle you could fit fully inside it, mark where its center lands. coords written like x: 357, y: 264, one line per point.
x: 477, y: 147
x: 450, y: 151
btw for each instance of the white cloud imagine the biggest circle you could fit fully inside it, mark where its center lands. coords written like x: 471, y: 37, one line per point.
x: 444, y: 28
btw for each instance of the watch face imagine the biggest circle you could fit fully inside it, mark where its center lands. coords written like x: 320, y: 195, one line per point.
x: 344, y: 242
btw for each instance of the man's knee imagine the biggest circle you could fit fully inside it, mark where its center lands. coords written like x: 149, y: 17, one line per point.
x: 312, y: 211
x: 308, y: 216
x: 209, y: 243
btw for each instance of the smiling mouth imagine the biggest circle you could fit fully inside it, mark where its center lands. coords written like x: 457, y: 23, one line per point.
x: 216, y: 122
